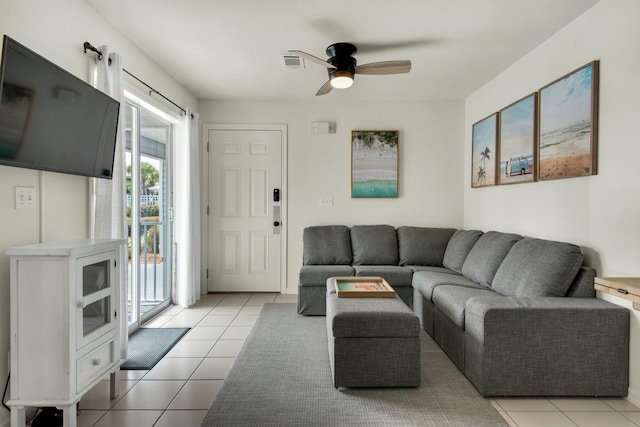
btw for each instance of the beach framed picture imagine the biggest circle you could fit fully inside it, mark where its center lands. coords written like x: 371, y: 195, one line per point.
x: 374, y: 163
x: 483, y: 152
x: 516, y: 142
x: 568, y: 129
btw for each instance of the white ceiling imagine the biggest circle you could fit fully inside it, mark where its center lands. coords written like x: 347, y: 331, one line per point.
x: 230, y: 49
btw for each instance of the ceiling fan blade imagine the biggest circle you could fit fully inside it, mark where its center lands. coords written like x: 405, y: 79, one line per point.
x: 325, y: 89
x: 312, y: 58
x: 389, y: 46
x: 385, y: 67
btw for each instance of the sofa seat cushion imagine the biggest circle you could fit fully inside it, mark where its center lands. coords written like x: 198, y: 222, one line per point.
x: 426, y: 281
x: 374, y: 245
x: 415, y: 268
x: 423, y: 245
x: 486, y: 256
x: 451, y: 301
x: 326, y: 244
x: 459, y: 247
x: 398, y: 277
x: 538, y: 268
x: 317, y: 275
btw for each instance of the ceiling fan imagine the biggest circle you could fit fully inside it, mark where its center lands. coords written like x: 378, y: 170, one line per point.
x: 342, y: 66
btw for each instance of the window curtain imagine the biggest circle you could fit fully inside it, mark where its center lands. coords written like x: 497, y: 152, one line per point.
x: 187, y: 287
x: 108, y: 197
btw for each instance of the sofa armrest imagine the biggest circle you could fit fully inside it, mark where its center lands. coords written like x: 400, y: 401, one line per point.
x: 546, y: 346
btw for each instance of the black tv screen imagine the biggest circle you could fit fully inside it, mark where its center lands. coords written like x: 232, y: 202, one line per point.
x: 50, y: 119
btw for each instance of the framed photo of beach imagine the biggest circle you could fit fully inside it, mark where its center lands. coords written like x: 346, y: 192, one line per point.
x: 483, y: 152
x: 516, y: 142
x: 568, y: 142
x: 374, y: 163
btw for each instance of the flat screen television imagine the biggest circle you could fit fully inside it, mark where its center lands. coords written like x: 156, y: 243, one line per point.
x: 50, y: 119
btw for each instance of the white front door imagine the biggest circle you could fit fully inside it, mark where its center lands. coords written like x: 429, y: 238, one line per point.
x: 245, y: 209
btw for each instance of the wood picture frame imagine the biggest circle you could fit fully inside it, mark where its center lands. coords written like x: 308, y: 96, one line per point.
x: 374, y: 163
x: 517, y: 153
x: 483, y: 152
x: 568, y: 125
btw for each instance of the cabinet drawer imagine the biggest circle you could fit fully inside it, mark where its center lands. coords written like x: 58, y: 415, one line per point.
x: 94, y: 364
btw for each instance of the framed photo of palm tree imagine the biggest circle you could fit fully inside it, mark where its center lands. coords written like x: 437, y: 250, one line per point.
x: 516, y: 142
x: 483, y: 152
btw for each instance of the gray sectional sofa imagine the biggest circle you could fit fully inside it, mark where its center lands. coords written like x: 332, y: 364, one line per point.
x: 517, y: 315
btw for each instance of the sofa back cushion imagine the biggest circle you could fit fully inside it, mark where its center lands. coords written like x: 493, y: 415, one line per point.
x: 374, y: 245
x: 326, y: 245
x: 582, y: 285
x: 423, y: 245
x: 459, y: 247
x: 538, y: 268
x: 486, y: 256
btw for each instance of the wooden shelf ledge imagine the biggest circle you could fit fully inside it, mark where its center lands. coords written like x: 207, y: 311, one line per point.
x: 623, y: 287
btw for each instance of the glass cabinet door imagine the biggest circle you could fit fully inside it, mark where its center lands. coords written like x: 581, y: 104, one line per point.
x: 95, y: 278
x: 95, y: 315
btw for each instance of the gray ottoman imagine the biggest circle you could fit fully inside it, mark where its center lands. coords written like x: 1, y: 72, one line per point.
x: 373, y: 342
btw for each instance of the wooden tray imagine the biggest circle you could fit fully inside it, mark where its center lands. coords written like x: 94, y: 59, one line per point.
x: 363, y: 287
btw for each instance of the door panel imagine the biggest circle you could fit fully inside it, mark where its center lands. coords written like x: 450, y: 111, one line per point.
x: 245, y: 166
x: 148, y: 146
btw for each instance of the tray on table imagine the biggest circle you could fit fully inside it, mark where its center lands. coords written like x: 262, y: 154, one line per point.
x: 363, y: 287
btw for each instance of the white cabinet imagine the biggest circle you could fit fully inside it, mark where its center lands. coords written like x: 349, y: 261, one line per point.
x: 65, y: 303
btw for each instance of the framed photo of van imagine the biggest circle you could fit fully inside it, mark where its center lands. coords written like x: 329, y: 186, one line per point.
x: 516, y: 142
x: 483, y: 152
x: 568, y: 135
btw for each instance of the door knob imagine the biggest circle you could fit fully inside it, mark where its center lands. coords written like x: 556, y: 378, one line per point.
x: 276, y: 223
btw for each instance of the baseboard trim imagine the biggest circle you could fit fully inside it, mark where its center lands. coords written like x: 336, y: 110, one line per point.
x: 634, y: 397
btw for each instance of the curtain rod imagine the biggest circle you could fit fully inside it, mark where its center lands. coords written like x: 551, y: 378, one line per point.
x: 89, y: 46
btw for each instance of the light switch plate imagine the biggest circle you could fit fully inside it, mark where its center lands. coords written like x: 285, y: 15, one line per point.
x: 25, y: 198
x: 326, y: 201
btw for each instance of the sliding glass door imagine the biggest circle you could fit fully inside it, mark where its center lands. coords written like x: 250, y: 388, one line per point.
x: 148, y: 137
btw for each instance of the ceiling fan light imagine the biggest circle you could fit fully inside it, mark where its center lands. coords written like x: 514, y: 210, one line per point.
x: 342, y: 80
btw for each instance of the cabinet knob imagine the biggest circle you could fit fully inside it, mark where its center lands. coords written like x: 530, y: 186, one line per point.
x: 97, y: 362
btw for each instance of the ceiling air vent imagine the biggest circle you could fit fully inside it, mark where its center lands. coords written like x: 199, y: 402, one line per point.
x: 291, y: 61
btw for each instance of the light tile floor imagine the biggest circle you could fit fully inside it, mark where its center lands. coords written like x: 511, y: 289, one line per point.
x: 179, y: 390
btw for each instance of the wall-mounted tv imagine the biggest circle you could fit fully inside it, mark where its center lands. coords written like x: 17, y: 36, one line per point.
x: 50, y: 119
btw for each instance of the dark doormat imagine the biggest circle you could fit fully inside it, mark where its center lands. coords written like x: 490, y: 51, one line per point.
x: 148, y: 345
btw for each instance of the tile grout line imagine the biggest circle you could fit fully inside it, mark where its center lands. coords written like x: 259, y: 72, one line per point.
x: 216, y: 341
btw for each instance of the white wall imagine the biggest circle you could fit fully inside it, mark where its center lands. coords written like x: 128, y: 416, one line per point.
x: 57, y: 30
x: 601, y: 213
x: 431, y: 174
x: 598, y: 212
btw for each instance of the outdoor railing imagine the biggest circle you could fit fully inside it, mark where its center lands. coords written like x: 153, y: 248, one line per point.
x: 145, y: 199
x: 151, y: 261
x: 156, y: 228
